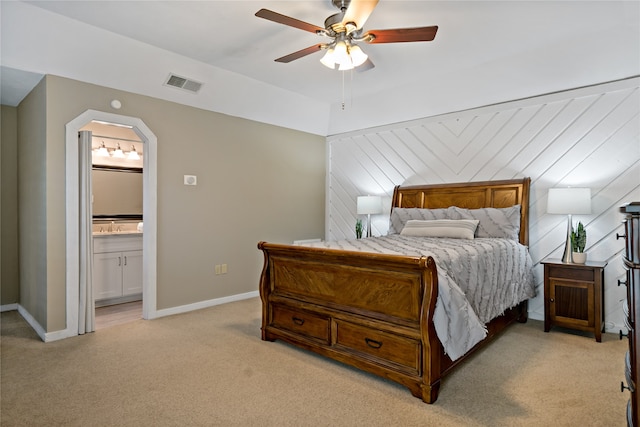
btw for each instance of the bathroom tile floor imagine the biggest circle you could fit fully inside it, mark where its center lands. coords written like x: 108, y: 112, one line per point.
x: 117, y: 314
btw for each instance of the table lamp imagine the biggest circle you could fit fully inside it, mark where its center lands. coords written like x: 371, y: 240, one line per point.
x: 368, y: 205
x: 569, y: 201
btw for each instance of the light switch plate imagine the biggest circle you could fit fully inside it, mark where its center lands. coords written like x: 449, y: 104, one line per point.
x: 190, y: 180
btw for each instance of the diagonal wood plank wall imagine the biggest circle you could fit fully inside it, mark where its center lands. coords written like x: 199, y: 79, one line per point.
x: 586, y: 137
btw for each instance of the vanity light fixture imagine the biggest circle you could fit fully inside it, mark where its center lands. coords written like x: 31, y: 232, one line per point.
x: 118, y: 153
x: 133, y: 154
x: 102, y: 150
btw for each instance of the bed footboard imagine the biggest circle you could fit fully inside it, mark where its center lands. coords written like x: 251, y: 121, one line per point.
x: 371, y: 311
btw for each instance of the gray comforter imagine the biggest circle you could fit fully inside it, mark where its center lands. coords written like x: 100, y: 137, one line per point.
x: 478, y: 280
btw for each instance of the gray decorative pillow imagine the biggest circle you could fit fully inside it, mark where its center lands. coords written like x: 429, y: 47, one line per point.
x: 400, y: 216
x: 494, y: 222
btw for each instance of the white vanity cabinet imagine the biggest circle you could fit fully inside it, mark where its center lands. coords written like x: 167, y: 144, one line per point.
x: 117, y: 266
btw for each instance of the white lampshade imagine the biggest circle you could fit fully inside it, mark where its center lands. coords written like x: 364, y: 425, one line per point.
x: 357, y: 55
x: 328, y: 59
x: 133, y: 154
x: 369, y: 205
x: 118, y: 152
x: 102, y: 150
x: 569, y: 201
x: 345, y: 56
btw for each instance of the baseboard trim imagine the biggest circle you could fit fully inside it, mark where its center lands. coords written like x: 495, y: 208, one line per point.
x: 204, y: 304
x: 32, y: 322
x: 8, y: 307
x: 66, y: 333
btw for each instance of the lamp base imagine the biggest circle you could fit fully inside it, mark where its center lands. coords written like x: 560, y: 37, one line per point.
x: 368, y: 225
x: 568, y: 252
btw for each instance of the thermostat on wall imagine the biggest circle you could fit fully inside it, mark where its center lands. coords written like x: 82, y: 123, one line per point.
x: 190, y: 180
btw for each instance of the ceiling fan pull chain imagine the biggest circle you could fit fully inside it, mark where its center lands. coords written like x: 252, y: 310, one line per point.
x: 343, y: 91
x: 351, y: 89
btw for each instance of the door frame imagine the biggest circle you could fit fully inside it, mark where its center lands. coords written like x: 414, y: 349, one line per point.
x: 149, y: 208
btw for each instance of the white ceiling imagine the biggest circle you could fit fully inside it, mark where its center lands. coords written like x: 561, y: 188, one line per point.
x: 485, y: 52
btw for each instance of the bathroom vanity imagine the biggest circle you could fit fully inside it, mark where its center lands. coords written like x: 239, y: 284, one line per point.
x: 117, y: 267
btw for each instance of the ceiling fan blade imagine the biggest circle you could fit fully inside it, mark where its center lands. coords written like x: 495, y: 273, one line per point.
x: 299, y: 54
x: 358, y: 12
x: 365, y: 66
x: 400, y: 35
x: 287, y: 20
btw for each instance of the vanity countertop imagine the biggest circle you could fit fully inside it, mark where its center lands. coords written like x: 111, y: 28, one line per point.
x: 116, y: 233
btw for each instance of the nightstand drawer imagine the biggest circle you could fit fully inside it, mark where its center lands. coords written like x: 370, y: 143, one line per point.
x: 566, y: 272
x: 382, y: 346
x: 301, y: 322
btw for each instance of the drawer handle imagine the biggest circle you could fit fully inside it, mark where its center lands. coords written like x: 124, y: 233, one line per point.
x: 621, y: 236
x: 298, y: 321
x: 623, y: 335
x: 623, y: 387
x: 620, y: 282
x: 373, y: 343
x: 552, y: 300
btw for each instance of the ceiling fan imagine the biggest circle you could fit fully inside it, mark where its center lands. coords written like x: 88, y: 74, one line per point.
x: 345, y: 28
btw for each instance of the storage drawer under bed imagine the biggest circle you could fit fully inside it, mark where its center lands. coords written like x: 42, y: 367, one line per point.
x: 301, y: 322
x: 383, y: 347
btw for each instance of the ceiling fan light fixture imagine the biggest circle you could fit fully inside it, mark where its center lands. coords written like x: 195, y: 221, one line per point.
x: 346, y: 65
x: 358, y: 57
x: 341, y: 54
x: 328, y: 59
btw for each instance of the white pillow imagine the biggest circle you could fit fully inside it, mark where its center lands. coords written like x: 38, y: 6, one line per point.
x: 453, y: 228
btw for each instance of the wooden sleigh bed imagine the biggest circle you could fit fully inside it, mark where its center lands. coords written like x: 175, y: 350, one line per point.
x: 375, y: 311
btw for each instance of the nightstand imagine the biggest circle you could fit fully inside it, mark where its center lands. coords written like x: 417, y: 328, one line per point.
x: 574, y: 296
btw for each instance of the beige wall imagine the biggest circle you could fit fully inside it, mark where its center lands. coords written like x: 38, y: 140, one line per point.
x: 32, y: 203
x: 9, y: 267
x: 255, y: 182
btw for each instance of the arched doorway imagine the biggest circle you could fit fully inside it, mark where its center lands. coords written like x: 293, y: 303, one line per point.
x: 149, y: 239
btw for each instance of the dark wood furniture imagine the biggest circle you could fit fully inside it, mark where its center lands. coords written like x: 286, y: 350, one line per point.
x: 574, y: 296
x: 374, y: 311
x: 631, y: 260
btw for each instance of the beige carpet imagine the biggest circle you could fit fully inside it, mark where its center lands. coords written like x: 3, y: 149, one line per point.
x: 210, y: 368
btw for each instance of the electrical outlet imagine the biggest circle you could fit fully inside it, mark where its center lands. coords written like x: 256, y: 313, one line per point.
x: 218, y: 269
x: 223, y: 269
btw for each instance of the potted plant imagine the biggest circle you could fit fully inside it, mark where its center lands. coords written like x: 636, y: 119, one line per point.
x: 359, y: 229
x: 578, y: 243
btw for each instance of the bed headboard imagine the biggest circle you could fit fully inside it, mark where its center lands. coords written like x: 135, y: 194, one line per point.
x: 470, y: 195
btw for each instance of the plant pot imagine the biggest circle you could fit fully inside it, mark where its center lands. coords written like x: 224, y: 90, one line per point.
x: 579, y: 257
